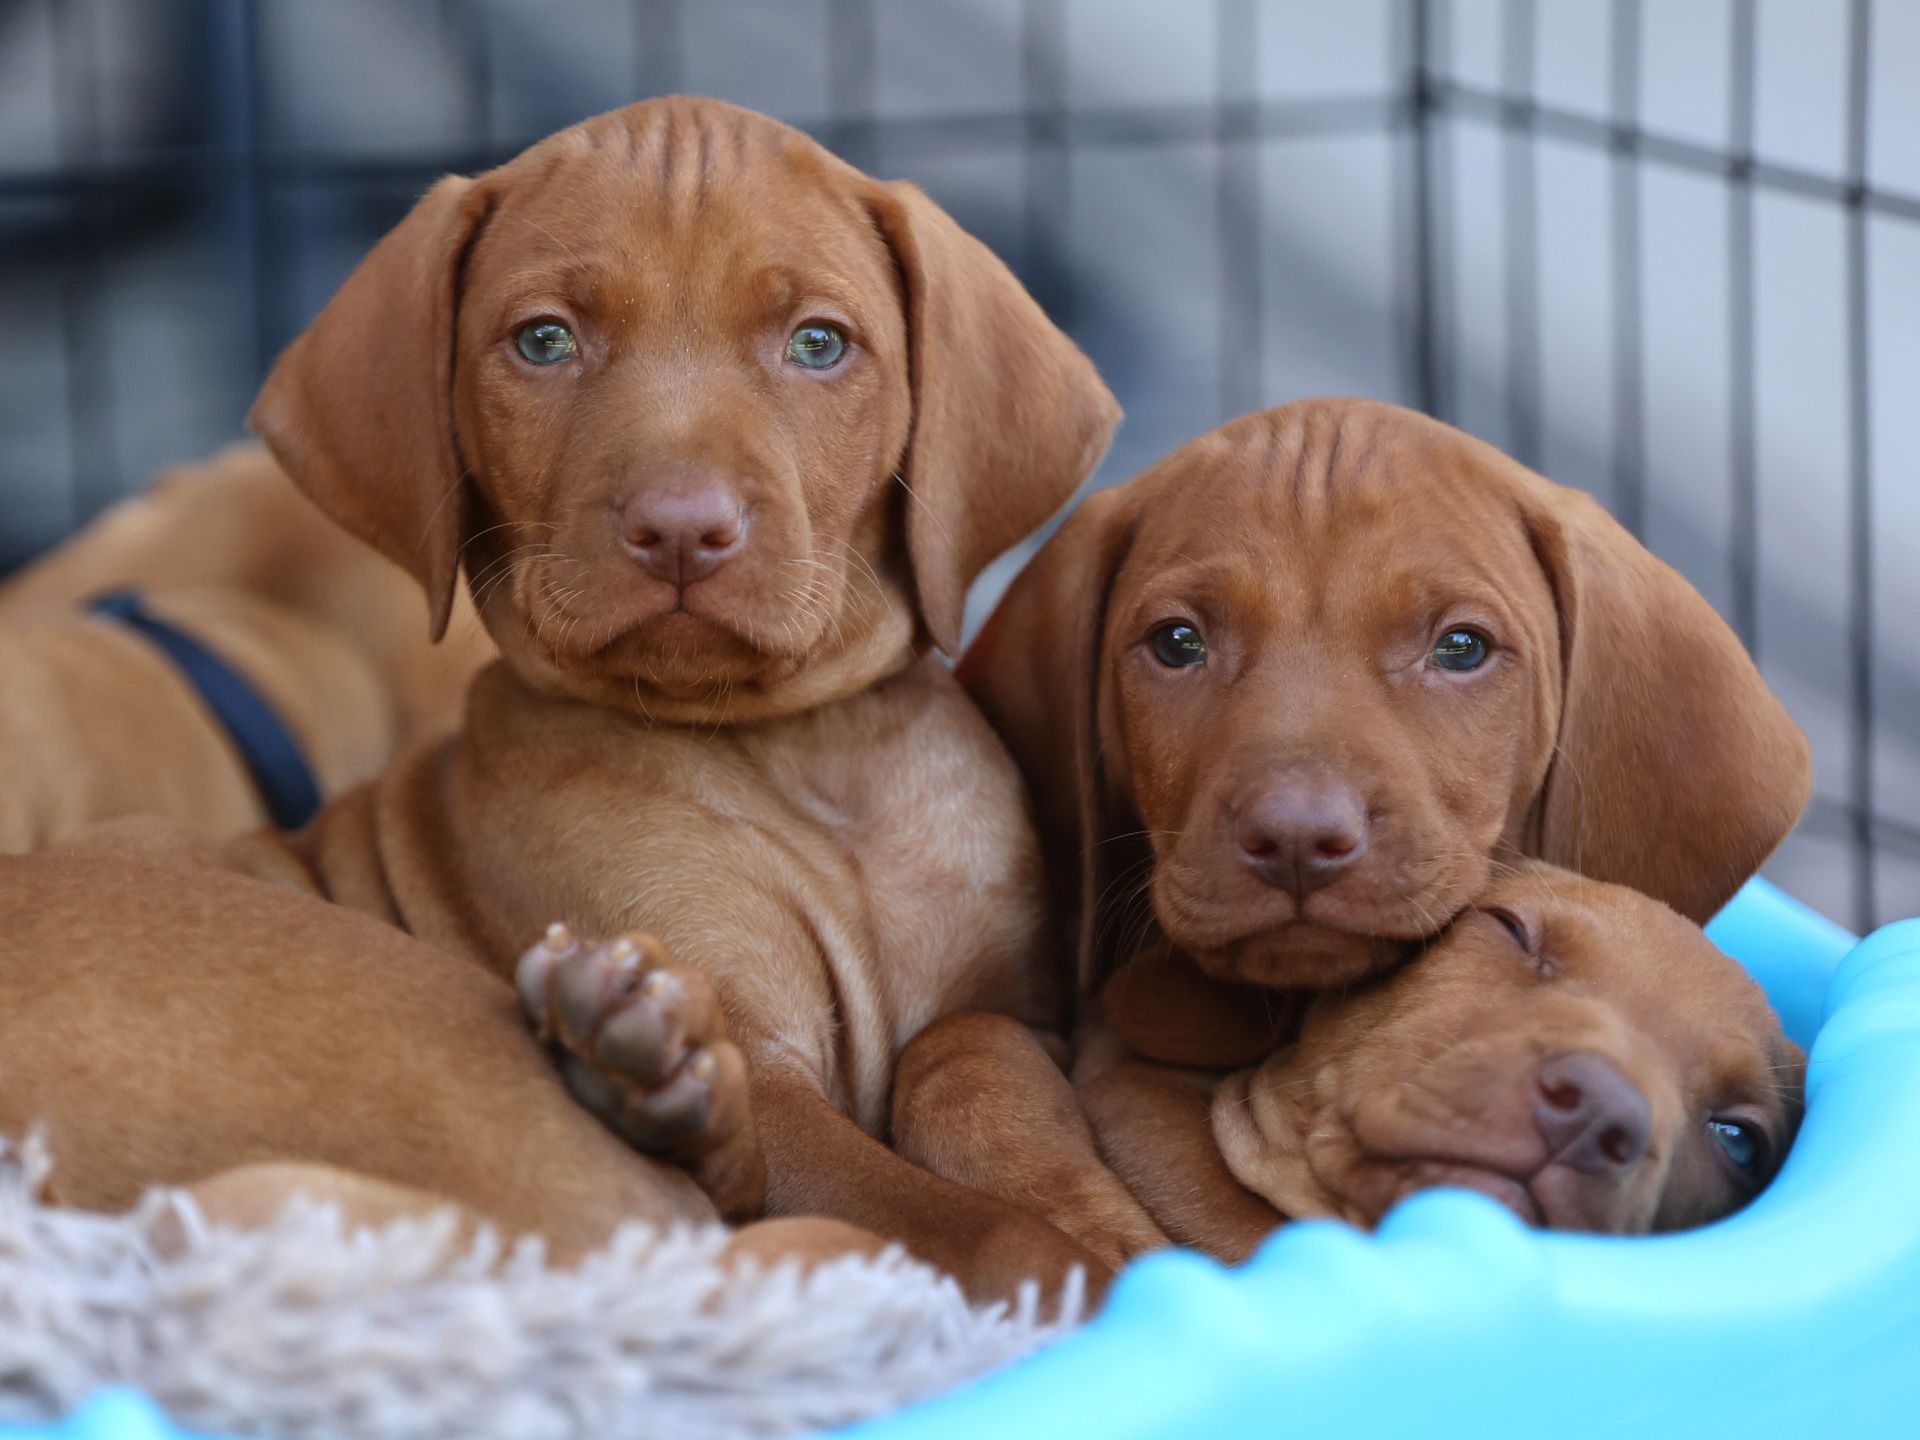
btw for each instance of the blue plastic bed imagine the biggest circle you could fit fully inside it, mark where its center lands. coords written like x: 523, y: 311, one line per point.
x: 1799, y: 1316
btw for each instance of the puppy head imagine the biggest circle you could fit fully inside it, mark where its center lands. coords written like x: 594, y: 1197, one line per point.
x: 1575, y: 1050
x: 1288, y: 693
x: 719, y: 426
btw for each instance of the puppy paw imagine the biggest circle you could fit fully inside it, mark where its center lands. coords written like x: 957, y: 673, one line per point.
x: 644, y: 1046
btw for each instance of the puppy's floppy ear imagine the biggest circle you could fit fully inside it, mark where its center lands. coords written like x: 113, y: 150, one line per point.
x: 1008, y: 415
x: 359, y: 408
x: 1035, y: 669
x: 1677, y: 770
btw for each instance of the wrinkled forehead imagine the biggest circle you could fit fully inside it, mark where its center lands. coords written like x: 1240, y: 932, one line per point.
x: 1333, y: 502
x: 675, y: 208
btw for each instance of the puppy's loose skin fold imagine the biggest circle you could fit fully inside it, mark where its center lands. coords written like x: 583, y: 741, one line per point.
x: 723, y: 731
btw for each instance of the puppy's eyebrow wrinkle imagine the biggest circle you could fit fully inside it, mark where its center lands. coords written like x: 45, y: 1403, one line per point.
x: 1333, y: 452
x: 665, y: 143
x: 1301, y: 469
x: 1363, y: 464
x: 703, y: 163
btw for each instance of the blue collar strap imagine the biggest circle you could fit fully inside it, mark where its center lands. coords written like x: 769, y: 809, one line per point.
x: 267, y: 747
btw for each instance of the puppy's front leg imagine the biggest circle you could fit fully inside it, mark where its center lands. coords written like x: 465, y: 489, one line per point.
x: 1165, y: 1008
x: 820, y: 1163
x: 645, y: 1047
x: 978, y: 1099
x: 1155, y: 1126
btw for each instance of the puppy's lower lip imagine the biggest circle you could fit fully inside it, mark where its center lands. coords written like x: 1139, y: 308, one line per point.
x: 1296, y: 953
x: 1496, y: 1185
x: 673, y: 625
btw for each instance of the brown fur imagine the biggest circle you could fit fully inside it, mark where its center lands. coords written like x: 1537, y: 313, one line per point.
x: 166, y: 1021
x: 1618, y: 727
x: 765, y: 769
x: 1426, y: 1076
x: 95, y: 723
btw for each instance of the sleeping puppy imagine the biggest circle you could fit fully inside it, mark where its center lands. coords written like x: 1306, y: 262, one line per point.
x: 1573, y: 1049
x: 1287, y: 697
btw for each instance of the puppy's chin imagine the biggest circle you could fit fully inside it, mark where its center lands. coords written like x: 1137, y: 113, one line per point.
x: 1297, y: 955
x: 691, y: 666
x: 1553, y: 1198
x: 1411, y: 1177
x: 685, y: 656
x: 1289, y: 955
x: 1258, y: 935
x: 662, y: 663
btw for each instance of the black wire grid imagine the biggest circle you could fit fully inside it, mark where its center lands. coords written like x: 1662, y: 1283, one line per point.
x: 238, y: 173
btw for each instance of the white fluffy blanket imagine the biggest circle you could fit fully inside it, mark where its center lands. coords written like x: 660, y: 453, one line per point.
x: 301, y: 1330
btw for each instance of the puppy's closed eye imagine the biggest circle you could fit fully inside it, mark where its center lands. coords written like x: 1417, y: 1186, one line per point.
x: 1512, y: 924
x: 1521, y: 931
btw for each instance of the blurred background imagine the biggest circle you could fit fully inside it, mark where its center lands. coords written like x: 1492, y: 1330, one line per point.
x: 1667, y: 252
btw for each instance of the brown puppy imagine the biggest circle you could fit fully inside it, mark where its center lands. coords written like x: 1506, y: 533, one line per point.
x: 166, y: 1021
x: 1573, y: 1049
x: 95, y: 722
x: 1287, y: 695
x: 725, y: 428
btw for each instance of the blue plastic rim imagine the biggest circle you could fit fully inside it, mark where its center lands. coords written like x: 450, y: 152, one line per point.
x: 1800, y: 1315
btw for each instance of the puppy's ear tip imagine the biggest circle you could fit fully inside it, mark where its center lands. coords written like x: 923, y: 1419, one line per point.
x: 278, y: 416
x: 267, y: 416
x: 945, y: 621
x: 1106, y: 421
x: 439, y: 614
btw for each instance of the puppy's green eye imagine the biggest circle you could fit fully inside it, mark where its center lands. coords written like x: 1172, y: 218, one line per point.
x: 1178, y: 645
x: 546, y: 342
x: 816, y: 347
x: 1461, y: 649
x: 1738, y: 1142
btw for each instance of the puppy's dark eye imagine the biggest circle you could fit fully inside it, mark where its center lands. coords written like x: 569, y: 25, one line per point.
x: 1739, y: 1142
x: 816, y: 347
x: 546, y: 342
x: 1178, y: 645
x: 1461, y: 649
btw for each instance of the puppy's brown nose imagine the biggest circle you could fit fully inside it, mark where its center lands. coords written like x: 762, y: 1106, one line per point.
x: 1300, y: 832
x: 1593, y: 1118
x: 683, y: 535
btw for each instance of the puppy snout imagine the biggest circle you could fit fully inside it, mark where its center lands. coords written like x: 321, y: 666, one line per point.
x: 1298, y: 833
x: 683, y: 534
x: 1593, y: 1118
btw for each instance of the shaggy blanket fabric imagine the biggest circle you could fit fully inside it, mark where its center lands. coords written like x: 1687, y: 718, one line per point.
x: 302, y: 1330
